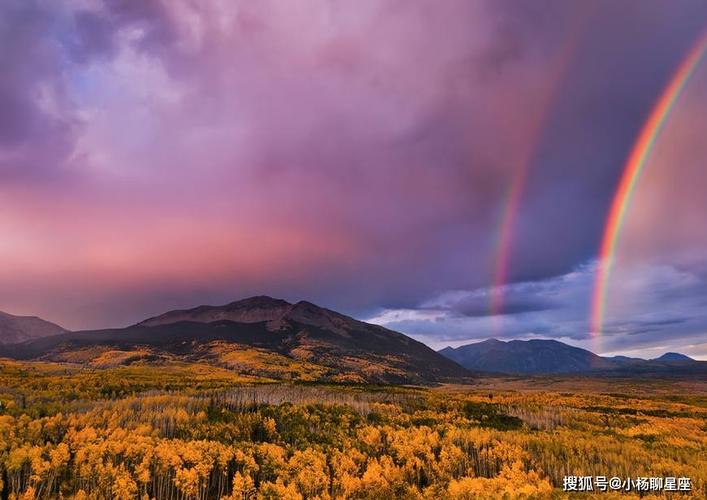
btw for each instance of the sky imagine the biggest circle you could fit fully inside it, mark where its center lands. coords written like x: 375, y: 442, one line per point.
x: 361, y: 155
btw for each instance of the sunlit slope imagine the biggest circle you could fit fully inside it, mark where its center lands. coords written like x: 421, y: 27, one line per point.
x: 260, y: 336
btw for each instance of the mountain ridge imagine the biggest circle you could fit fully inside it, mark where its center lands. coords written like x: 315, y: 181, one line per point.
x: 15, y: 329
x: 548, y: 356
x: 673, y: 356
x: 271, y: 331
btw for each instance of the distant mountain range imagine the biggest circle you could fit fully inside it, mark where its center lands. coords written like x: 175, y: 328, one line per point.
x: 552, y: 356
x: 15, y: 329
x: 261, y: 336
x: 272, y: 338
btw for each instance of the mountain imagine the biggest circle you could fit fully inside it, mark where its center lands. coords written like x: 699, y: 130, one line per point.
x: 15, y: 329
x: 251, y: 310
x: 260, y: 336
x: 673, y: 356
x: 519, y: 356
x: 551, y: 356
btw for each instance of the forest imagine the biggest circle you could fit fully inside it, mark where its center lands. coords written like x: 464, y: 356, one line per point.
x: 188, y: 431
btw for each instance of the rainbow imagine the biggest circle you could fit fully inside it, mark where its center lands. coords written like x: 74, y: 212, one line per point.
x: 516, y: 187
x: 635, y: 165
x: 505, y: 238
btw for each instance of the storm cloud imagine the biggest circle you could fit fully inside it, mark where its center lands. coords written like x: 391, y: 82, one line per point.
x: 156, y: 155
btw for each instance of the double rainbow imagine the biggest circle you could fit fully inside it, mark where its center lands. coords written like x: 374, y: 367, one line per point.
x: 632, y: 172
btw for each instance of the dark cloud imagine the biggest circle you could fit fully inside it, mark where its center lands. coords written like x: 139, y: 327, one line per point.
x: 37, y: 125
x: 618, y: 69
x: 640, y: 322
x: 516, y: 301
x: 480, y: 308
x: 356, y: 154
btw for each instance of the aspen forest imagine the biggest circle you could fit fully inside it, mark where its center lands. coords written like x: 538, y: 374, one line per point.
x: 199, y: 432
x: 353, y: 250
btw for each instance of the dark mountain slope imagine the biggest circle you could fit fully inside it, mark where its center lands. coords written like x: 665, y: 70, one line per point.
x: 345, y: 348
x: 552, y: 356
x: 251, y: 310
x: 673, y: 356
x: 532, y: 356
x: 15, y: 329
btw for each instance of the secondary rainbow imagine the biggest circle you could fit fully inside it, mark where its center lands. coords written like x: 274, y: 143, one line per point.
x: 635, y: 165
x: 505, y: 238
x: 514, y: 193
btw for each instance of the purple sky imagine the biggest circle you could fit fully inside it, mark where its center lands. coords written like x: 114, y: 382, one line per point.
x: 156, y: 155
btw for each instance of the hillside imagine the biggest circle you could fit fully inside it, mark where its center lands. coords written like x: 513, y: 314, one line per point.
x: 532, y: 356
x: 15, y: 329
x: 673, y: 356
x: 260, y: 336
x: 551, y: 356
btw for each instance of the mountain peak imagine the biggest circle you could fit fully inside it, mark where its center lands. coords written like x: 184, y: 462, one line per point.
x: 673, y: 356
x: 308, y: 307
x: 257, y: 301
x: 334, y: 345
x: 15, y: 329
x: 257, y: 309
x: 525, y: 356
x: 539, y: 356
